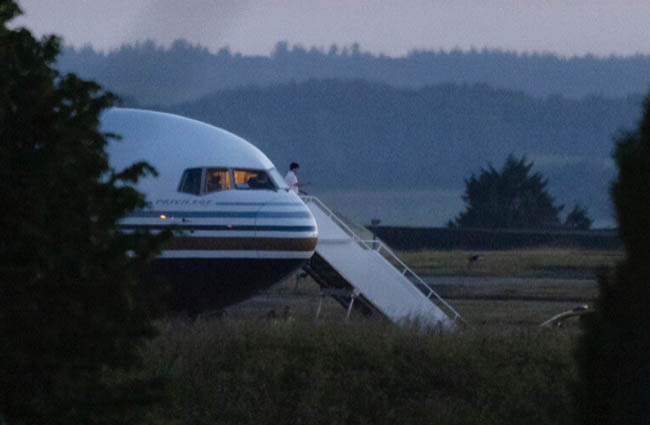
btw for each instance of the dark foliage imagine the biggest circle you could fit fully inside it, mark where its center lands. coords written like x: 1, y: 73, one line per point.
x: 614, y: 353
x: 511, y: 198
x: 291, y: 372
x: 578, y: 219
x: 73, y: 304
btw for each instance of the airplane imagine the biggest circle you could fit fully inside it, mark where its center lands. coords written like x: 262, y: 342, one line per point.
x: 241, y: 228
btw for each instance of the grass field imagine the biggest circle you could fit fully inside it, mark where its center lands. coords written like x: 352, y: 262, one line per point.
x: 517, y: 263
x: 259, y: 371
x: 268, y: 360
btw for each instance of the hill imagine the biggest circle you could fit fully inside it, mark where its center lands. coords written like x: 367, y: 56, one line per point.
x: 378, y: 146
x: 183, y: 72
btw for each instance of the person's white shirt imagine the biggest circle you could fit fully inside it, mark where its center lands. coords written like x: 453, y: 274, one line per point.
x: 292, y: 181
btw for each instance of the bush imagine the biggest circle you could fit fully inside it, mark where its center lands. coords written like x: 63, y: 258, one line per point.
x: 614, y: 354
x: 227, y: 372
x: 510, y: 198
x: 74, y: 301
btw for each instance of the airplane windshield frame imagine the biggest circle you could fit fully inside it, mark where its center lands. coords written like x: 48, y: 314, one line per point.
x: 191, y: 181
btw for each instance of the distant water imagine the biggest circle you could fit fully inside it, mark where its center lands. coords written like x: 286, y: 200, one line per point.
x: 417, y: 208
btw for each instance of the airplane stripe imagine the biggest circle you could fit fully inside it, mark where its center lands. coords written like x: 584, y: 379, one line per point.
x: 232, y: 214
x: 284, y: 204
x: 219, y: 227
x: 252, y: 255
x: 241, y: 244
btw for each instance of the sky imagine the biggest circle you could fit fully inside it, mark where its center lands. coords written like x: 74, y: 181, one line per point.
x: 392, y: 27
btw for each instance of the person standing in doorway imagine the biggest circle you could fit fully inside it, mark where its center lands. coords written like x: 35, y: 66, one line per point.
x: 292, y: 178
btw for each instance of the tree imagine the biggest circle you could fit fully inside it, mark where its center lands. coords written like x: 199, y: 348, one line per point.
x: 73, y: 294
x: 578, y: 219
x: 614, y: 350
x: 509, y: 198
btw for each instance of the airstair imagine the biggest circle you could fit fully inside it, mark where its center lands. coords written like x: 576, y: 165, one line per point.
x: 367, y: 276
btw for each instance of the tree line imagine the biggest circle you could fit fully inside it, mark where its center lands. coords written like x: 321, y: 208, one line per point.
x: 187, y: 71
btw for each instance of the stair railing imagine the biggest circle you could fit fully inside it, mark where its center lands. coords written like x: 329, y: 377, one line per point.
x: 381, y: 248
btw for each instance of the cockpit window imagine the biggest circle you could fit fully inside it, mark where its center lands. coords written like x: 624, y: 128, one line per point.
x: 191, y: 181
x: 217, y: 179
x: 252, y: 179
x: 201, y: 181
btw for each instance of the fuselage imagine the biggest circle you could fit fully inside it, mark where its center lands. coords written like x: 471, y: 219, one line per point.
x: 237, y: 227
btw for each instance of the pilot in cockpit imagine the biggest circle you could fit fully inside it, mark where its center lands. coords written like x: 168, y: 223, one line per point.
x: 260, y: 181
x: 213, y: 183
